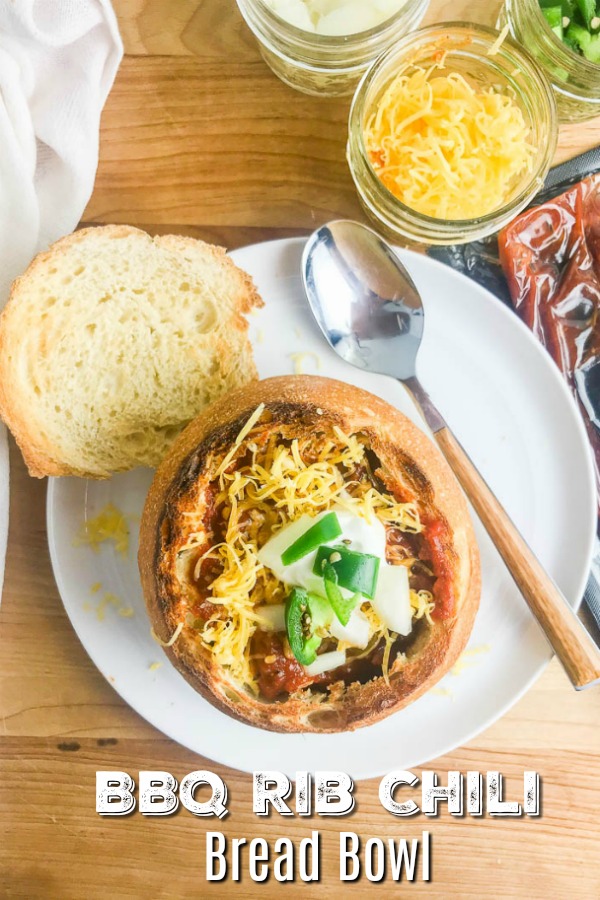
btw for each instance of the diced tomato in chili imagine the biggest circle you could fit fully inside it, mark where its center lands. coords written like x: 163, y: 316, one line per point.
x: 203, y: 608
x: 437, y: 540
x: 277, y: 674
x: 206, y: 610
x: 210, y: 569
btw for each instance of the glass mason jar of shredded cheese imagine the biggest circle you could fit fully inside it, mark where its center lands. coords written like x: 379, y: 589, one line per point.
x: 481, y: 70
x: 575, y: 80
x: 325, y: 65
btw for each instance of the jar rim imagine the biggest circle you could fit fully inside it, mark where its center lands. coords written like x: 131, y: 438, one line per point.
x: 328, y: 42
x: 329, y: 56
x: 421, y: 39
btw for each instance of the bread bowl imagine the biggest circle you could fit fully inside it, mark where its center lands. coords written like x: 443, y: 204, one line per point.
x: 241, y: 477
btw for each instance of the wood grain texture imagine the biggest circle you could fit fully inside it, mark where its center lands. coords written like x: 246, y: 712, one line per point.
x: 59, y: 849
x: 199, y: 137
x: 197, y: 114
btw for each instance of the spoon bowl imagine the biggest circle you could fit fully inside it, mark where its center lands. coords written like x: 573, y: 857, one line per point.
x: 363, y: 298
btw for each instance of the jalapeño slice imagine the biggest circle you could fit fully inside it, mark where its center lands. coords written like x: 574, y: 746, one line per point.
x: 357, y: 572
x: 303, y: 615
x: 326, y: 529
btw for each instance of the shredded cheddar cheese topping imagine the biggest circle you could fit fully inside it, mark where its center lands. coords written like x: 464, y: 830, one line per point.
x: 465, y: 660
x: 171, y: 640
x: 110, y: 525
x: 422, y: 605
x: 109, y: 601
x: 264, y: 483
x: 445, y: 148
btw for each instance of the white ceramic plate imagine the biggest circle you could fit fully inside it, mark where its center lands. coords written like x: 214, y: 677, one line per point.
x: 509, y: 407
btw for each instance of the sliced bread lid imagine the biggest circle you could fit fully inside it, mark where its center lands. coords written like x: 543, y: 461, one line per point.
x: 112, y: 341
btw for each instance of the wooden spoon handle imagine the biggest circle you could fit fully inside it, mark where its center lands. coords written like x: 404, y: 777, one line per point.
x: 573, y: 645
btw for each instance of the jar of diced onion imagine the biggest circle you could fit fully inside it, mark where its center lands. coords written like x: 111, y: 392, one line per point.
x: 324, y: 47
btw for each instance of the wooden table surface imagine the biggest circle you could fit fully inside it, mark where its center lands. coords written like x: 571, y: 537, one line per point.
x: 199, y: 137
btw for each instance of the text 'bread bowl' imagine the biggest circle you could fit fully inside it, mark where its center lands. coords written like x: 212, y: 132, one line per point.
x: 307, y: 557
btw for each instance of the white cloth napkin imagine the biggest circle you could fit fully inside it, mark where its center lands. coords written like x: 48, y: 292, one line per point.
x: 58, y: 60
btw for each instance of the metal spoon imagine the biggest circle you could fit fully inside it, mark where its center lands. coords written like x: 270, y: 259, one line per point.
x: 371, y: 313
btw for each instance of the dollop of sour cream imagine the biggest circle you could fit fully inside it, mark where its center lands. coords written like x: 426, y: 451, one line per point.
x: 360, y: 535
x: 392, y: 595
x: 335, y: 17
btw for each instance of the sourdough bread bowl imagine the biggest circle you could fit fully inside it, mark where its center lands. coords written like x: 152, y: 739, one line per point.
x: 248, y: 468
x: 112, y: 341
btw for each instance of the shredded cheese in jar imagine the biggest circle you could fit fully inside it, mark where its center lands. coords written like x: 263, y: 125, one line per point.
x: 446, y: 148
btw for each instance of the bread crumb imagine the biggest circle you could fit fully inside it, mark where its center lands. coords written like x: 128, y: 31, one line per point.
x: 298, y: 361
x: 95, y: 588
x: 127, y: 612
x: 154, y: 666
x: 442, y: 692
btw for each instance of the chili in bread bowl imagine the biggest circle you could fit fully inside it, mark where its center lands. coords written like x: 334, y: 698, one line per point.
x: 285, y: 536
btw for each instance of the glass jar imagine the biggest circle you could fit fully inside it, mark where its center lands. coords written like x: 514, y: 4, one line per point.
x: 575, y: 80
x: 319, y: 64
x: 472, y: 51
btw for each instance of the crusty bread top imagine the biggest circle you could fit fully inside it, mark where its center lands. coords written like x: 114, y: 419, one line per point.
x: 413, y: 467
x: 112, y: 341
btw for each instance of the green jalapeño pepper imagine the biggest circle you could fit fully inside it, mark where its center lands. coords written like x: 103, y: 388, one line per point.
x: 357, y: 572
x: 342, y: 607
x: 326, y: 529
x: 302, y: 617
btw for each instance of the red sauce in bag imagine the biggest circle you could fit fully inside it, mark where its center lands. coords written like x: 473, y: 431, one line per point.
x: 551, y: 258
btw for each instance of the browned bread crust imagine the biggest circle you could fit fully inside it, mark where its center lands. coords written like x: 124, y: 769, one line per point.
x: 410, y: 460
